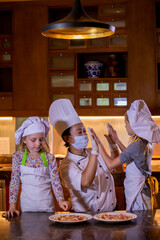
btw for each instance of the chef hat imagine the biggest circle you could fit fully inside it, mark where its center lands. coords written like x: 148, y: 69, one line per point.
x: 62, y: 115
x: 31, y: 125
x: 141, y: 122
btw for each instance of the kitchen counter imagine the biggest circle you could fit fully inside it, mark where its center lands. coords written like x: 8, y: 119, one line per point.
x: 37, y: 226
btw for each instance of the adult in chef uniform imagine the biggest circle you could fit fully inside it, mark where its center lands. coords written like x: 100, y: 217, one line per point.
x: 83, y: 171
x: 138, y: 155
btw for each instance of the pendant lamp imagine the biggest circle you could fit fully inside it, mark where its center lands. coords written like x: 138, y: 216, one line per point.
x: 77, y: 25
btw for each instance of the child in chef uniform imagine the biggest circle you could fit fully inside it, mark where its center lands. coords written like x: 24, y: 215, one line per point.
x: 137, y: 156
x: 83, y: 171
x: 36, y: 168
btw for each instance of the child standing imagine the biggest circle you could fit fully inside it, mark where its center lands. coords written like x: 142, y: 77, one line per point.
x: 36, y: 169
x: 138, y: 155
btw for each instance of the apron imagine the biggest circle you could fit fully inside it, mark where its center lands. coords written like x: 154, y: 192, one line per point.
x: 36, y: 195
x: 133, y: 184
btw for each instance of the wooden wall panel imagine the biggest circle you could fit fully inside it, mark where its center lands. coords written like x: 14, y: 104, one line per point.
x: 141, y: 57
x: 30, y: 58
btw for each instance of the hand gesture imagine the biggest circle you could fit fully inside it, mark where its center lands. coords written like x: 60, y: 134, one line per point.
x: 94, y: 139
x: 112, y: 136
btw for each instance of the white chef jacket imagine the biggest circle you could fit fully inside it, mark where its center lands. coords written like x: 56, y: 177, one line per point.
x: 100, y: 196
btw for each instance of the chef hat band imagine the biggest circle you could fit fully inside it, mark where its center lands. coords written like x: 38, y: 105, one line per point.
x: 31, y: 125
x: 62, y: 115
x: 141, y: 122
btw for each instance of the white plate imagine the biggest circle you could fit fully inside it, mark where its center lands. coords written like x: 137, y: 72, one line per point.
x: 54, y: 217
x: 133, y: 216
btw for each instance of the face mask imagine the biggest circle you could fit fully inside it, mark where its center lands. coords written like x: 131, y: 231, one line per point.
x: 80, y: 142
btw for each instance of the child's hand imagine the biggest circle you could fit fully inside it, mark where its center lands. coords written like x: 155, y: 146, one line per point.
x: 65, y: 205
x: 112, y: 136
x: 11, y: 212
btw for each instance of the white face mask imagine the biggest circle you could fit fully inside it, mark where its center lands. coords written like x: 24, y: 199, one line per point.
x: 80, y: 142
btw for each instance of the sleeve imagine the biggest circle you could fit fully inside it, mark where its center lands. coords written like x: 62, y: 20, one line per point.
x: 55, y: 178
x: 71, y: 175
x: 134, y: 152
x: 15, y: 178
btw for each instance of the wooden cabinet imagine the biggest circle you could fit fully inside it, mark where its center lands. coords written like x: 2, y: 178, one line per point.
x: 70, y: 78
x: 6, y: 59
x: 34, y: 70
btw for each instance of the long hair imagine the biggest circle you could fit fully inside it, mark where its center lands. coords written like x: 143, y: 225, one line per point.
x: 149, y: 146
x: 23, y: 146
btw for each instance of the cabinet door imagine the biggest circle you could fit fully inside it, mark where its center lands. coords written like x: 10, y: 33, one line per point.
x: 114, y: 10
x: 61, y: 61
x: 120, y: 85
x: 114, y: 14
x: 98, y: 43
x: 5, y: 42
x: 85, y: 86
x: 58, y: 43
x: 62, y: 79
x: 60, y: 94
x: 118, y: 40
x: 103, y: 86
x: 102, y: 101
x: 119, y: 100
x: 5, y: 102
x: 5, y: 57
x: 85, y: 101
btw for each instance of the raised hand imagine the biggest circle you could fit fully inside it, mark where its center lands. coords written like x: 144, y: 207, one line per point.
x: 94, y: 139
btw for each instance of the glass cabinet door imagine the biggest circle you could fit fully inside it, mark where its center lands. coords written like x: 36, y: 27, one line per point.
x: 118, y: 40
x: 59, y: 95
x: 58, y: 43
x: 62, y: 80
x: 5, y: 56
x: 62, y: 61
x: 102, y: 101
x: 102, y: 86
x: 114, y: 14
x: 5, y: 42
x: 85, y: 101
x: 119, y: 85
x: 117, y: 9
x: 120, y: 101
x: 85, y: 86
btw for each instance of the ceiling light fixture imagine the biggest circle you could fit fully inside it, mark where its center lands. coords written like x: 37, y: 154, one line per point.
x: 77, y: 25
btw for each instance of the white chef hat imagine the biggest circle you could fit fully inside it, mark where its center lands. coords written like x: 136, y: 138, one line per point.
x: 62, y: 115
x: 141, y: 122
x: 31, y: 125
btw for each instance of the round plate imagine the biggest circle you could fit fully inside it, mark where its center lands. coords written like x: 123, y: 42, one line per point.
x: 55, y: 216
x: 131, y: 215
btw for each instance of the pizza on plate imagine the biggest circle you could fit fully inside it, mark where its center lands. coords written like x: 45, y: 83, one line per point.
x: 71, y: 218
x: 114, y: 217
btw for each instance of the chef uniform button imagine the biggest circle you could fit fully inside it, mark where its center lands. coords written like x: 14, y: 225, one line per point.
x: 100, y: 166
x: 107, y: 177
x: 110, y: 190
x: 97, y: 197
x: 112, y: 204
x: 98, y: 210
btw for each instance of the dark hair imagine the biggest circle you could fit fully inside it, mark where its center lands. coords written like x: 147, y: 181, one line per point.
x: 66, y: 133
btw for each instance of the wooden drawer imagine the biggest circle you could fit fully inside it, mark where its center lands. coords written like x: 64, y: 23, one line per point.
x: 5, y: 102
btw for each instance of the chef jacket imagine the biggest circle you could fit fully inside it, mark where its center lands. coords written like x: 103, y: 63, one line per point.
x: 98, y: 197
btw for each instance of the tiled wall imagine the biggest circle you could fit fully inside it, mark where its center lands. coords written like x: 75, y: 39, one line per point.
x: 99, y: 125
